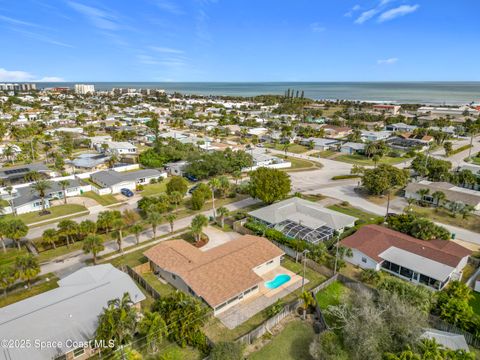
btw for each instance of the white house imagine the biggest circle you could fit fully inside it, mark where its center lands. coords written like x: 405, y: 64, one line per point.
x: 114, y: 181
x: 431, y: 263
x: 118, y: 147
x: 375, y: 135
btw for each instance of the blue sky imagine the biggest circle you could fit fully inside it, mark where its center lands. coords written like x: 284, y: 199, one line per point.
x: 239, y: 40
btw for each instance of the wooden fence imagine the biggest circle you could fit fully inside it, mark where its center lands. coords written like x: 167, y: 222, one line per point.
x: 139, y: 279
x: 437, y: 323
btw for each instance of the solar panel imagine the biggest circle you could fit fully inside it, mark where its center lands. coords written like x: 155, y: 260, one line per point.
x: 15, y: 171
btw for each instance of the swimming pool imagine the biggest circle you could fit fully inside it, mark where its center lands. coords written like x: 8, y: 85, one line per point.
x: 279, y: 280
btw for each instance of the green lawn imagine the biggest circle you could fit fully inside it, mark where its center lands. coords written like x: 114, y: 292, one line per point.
x: 292, y: 343
x: 475, y: 302
x: 171, y: 351
x: 163, y: 289
x: 47, y: 255
x: 324, y: 154
x: 104, y: 200
x: 154, y: 189
x: 352, y: 211
x: 9, y: 257
x: 299, y: 164
x: 363, y: 160
x: 331, y: 295
x: 472, y: 222
x: 293, y: 148
x: 55, y: 211
x: 22, y: 293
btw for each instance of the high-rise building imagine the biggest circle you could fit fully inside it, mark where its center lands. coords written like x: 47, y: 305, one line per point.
x: 18, y: 87
x: 84, y: 89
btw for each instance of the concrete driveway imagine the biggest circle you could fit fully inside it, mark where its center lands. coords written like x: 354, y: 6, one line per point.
x: 218, y: 237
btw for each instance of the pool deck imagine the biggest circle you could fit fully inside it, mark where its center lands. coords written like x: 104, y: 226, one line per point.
x: 265, y: 297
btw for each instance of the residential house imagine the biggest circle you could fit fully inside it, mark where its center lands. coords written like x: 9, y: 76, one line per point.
x: 302, y: 219
x: 452, y: 193
x: 351, y: 148
x: 320, y: 144
x: 431, y: 263
x: 375, y: 135
x: 65, y: 317
x: 337, y: 132
x: 91, y: 162
x: 16, y: 174
x: 119, y: 148
x: 114, y: 181
x: 389, y: 109
x: 223, y: 276
x: 176, y: 168
x: 263, y: 158
x: 401, y: 127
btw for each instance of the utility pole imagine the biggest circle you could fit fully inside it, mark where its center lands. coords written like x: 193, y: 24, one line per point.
x: 336, y: 256
x: 304, y: 258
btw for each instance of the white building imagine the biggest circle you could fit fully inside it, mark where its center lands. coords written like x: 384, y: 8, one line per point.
x: 112, y: 182
x: 84, y: 89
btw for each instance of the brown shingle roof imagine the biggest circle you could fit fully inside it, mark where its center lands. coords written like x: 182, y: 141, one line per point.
x: 217, y: 274
x: 372, y: 240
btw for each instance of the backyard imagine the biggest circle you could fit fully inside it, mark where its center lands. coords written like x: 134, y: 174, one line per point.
x: 20, y: 293
x: 293, y: 342
x: 331, y: 295
x: 154, y: 189
x: 472, y: 222
x: 293, y: 148
x: 352, y: 211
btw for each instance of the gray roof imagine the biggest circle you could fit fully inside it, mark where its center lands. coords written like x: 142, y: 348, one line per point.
x: 449, y: 340
x: 90, y: 160
x: 320, y: 141
x: 27, y: 195
x: 21, y: 170
x: 354, y: 145
x: 67, y: 312
x: 111, y: 177
x: 452, y: 192
x: 302, y: 211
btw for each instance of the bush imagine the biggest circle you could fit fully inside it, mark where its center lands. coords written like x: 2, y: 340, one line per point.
x: 197, y: 200
x: 343, y: 177
x: 275, y: 308
x: 227, y: 351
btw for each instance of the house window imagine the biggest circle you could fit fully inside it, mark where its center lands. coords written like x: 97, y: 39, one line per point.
x: 270, y: 262
x: 364, y: 259
x: 78, y: 352
x: 174, y: 277
x: 61, y: 357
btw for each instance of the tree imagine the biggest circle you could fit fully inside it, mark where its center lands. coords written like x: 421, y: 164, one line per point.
x: 3, y: 230
x: 382, y: 178
x: 197, y: 200
x: 67, y: 228
x: 118, y: 225
x: 64, y: 184
x: 176, y: 198
x: 117, y: 322
x: 422, y: 193
x: 222, y: 212
x: 269, y: 185
x: 197, y: 225
x: 106, y: 219
x: 27, y: 268
x: 154, y: 218
x: 328, y: 346
x: 226, y: 351
x: 453, y: 304
x: 15, y: 229
x: 439, y: 197
x: 137, y: 230
x: 41, y: 187
x: 214, y: 185
x: 171, y: 220
x: 448, y: 148
x: 49, y: 237
x: 87, y: 227
x: 93, y: 244
x: 8, y: 276
x: 129, y: 217
x: 154, y: 328
x: 178, y: 184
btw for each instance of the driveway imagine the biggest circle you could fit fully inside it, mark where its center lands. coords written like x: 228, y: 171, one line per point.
x: 218, y: 237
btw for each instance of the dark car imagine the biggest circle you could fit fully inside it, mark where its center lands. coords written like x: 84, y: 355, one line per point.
x: 191, y: 177
x: 192, y: 189
x: 126, y: 192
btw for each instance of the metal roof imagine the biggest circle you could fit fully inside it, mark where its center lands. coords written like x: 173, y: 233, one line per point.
x: 69, y: 312
x: 111, y: 177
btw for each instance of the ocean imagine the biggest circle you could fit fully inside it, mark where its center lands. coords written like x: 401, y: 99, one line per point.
x: 437, y: 93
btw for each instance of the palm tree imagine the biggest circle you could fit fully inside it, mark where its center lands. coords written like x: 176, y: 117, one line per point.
x: 41, y: 187
x: 16, y: 229
x: 8, y: 276
x: 214, y: 185
x: 439, y: 197
x: 106, y: 218
x: 422, y: 193
x: 130, y: 217
x: 64, y: 184
x: 9, y: 190
x: 32, y: 176
x: 3, y: 229
x: 171, y: 220
x: 9, y: 153
x: 237, y: 175
x: 376, y: 159
x: 93, y: 244
x: 308, y: 302
x: 49, y: 237
x: 67, y: 228
x: 154, y: 328
x: 27, y: 268
x: 222, y: 212
x: 285, y: 147
x: 197, y: 225
x: 118, y: 226
x: 466, y: 211
x: 431, y: 349
x: 87, y: 227
x: 224, y: 185
x: 137, y: 230
x: 154, y: 218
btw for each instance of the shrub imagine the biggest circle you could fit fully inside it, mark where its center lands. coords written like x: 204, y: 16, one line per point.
x: 227, y: 351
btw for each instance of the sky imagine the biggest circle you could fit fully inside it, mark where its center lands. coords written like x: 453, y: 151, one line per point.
x: 239, y: 40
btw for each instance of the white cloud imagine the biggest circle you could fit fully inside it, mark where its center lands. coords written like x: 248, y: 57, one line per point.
x: 389, y: 61
x: 352, y: 11
x: 316, y: 27
x: 366, y: 15
x: 99, y: 18
x: 166, y: 50
x: 169, y: 7
x: 18, y: 75
x: 397, y: 12
x: 13, y: 21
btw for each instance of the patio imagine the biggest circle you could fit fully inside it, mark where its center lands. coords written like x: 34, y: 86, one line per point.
x: 265, y: 297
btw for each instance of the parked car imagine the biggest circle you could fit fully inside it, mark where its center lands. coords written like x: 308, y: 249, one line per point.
x: 191, y: 177
x: 126, y: 192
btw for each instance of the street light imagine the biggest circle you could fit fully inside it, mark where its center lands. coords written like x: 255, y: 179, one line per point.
x: 304, y: 258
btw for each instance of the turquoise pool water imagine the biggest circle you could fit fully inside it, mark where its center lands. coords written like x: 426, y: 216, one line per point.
x: 279, y: 280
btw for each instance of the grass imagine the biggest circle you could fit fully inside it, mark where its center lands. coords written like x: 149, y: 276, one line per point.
x: 293, y: 148
x: 172, y: 351
x: 154, y: 189
x: 47, y: 255
x: 104, y: 200
x: 299, y: 164
x: 363, y: 160
x: 292, y: 343
x: 345, y: 177
x: 55, y: 212
x: 475, y: 302
x: 460, y: 149
x: 352, y: 211
x: 331, y: 295
x: 163, y: 289
x: 324, y: 154
x: 22, y: 294
x: 442, y: 215
x: 8, y: 258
